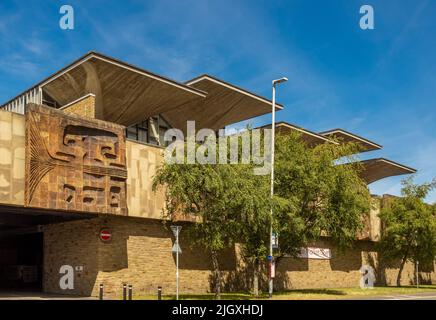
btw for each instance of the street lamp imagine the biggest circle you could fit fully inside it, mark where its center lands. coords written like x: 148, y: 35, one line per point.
x: 273, y: 127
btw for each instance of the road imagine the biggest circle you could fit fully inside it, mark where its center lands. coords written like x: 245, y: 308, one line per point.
x: 38, y: 296
x: 415, y: 296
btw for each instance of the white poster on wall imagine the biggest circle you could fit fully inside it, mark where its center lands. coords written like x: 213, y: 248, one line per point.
x: 315, y: 253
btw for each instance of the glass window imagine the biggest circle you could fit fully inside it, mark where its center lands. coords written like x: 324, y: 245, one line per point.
x: 131, y: 133
x: 151, y: 131
x: 142, y: 134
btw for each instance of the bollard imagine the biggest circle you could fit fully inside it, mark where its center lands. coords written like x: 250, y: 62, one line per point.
x: 130, y: 291
x: 159, y: 293
x: 124, y: 291
x: 101, y: 291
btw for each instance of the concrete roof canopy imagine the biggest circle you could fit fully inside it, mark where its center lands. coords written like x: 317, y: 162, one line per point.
x: 311, y: 138
x: 345, y: 136
x: 380, y: 168
x: 126, y: 94
x: 225, y: 103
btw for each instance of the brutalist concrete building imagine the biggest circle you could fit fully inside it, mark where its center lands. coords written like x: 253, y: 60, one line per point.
x: 78, y: 152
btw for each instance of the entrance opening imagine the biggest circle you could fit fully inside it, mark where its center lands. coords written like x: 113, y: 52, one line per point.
x: 21, y: 261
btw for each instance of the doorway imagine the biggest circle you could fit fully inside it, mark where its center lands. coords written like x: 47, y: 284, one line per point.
x: 21, y: 262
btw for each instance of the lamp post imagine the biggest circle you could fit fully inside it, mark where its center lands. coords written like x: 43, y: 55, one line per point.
x: 273, y: 128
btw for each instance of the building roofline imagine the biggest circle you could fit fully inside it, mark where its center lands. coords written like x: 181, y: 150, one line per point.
x: 97, y: 55
x: 351, y: 135
x: 298, y: 128
x: 393, y: 163
x: 233, y: 87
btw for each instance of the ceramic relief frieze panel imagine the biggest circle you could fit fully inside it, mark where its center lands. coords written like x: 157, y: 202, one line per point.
x: 74, y: 163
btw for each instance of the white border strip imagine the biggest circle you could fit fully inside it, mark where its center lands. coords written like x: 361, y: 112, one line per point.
x: 352, y: 136
x: 306, y: 132
x: 205, y: 77
x: 396, y: 165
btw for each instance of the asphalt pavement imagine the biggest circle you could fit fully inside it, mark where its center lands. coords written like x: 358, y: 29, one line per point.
x: 415, y: 296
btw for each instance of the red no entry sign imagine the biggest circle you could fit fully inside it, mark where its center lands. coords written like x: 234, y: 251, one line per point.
x: 105, y: 235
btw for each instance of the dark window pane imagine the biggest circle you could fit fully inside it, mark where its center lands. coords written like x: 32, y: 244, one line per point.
x: 131, y: 133
x: 142, y: 135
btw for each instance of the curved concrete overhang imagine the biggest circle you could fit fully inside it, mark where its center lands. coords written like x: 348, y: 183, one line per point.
x: 345, y: 136
x: 380, y: 168
x: 225, y: 103
x: 126, y: 94
x: 311, y: 138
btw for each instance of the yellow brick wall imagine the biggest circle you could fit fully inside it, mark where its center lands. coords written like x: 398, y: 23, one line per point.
x: 140, y: 254
x: 342, y: 270
x: 84, y: 107
x: 12, y: 131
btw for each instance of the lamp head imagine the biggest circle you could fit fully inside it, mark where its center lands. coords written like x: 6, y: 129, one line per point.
x: 277, y: 81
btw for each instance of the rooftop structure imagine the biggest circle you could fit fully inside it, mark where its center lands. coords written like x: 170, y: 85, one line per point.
x: 373, y: 169
x: 127, y: 95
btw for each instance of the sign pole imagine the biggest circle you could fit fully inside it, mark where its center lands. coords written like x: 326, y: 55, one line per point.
x: 176, y: 249
x: 177, y: 266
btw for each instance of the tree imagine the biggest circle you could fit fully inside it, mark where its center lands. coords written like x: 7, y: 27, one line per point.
x: 320, y: 192
x: 409, y: 226
x: 224, y: 199
x: 314, y: 196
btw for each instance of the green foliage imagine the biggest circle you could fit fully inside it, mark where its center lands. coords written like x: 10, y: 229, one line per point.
x: 320, y: 194
x: 225, y: 198
x: 315, y: 196
x: 409, y: 231
x: 230, y: 203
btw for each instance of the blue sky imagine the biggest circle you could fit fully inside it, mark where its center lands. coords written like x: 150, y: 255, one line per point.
x: 380, y: 84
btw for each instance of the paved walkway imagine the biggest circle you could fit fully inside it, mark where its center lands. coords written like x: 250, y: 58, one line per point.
x: 45, y: 296
x: 38, y: 296
x: 415, y: 296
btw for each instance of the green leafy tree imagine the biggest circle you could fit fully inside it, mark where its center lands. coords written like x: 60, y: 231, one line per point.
x: 320, y: 192
x: 409, y: 226
x: 224, y: 199
x: 315, y: 195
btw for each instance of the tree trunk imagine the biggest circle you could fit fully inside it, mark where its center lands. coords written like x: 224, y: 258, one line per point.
x: 403, y: 262
x: 256, y: 273
x: 216, y: 275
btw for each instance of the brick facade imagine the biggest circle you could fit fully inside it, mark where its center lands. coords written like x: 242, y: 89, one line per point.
x: 84, y: 106
x: 140, y: 250
x: 140, y: 254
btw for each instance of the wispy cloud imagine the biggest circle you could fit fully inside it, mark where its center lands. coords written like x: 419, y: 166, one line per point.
x: 19, y: 65
x: 403, y: 36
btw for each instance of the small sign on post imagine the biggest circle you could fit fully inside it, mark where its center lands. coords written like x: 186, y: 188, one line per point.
x: 176, y: 248
x: 105, y: 235
x: 272, y: 269
x: 275, y: 240
x: 176, y: 230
